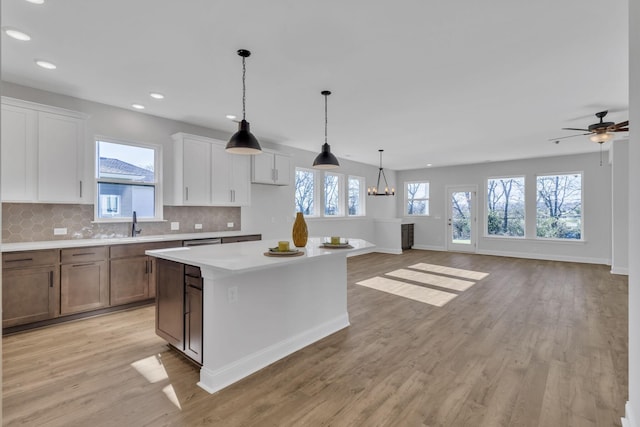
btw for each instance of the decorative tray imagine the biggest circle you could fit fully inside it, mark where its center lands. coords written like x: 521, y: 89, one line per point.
x: 329, y: 245
x: 276, y: 252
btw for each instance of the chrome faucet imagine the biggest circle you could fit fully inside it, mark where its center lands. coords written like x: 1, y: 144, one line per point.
x: 135, y: 231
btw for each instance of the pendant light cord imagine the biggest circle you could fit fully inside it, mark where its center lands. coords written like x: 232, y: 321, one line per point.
x: 244, y: 74
x: 326, y: 121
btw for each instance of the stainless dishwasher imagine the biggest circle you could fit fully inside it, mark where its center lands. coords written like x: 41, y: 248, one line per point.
x: 200, y: 242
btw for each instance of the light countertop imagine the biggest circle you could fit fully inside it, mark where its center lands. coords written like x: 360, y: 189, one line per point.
x: 77, y: 243
x: 247, y: 256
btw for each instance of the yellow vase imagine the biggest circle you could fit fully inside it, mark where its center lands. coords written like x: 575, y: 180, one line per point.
x: 300, y: 232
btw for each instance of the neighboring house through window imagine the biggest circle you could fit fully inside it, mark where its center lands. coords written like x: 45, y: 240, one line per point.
x: 127, y: 180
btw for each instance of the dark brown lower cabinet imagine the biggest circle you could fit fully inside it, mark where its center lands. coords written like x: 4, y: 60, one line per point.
x: 170, y: 302
x: 30, y: 287
x: 179, y: 307
x: 84, y: 280
x: 193, y: 314
x: 407, y: 236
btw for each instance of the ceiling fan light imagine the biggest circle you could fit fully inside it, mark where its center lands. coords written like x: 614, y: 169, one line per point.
x: 602, y: 137
x: 243, y: 141
x: 326, y: 160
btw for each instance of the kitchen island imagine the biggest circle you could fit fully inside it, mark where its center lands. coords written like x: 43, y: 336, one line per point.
x: 257, y: 309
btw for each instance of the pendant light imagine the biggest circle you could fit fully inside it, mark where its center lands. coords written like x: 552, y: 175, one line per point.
x: 243, y: 141
x: 325, y: 160
x: 375, y: 191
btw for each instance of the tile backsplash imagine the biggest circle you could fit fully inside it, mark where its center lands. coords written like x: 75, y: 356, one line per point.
x: 33, y: 222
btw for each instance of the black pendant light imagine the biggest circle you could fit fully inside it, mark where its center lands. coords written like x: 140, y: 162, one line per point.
x: 325, y: 160
x: 376, y: 191
x: 243, y: 141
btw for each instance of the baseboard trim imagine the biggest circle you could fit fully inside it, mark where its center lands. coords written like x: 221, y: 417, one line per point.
x: 215, y: 380
x: 429, y: 248
x: 620, y: 270
x: 546, y: 257
x: 388, y: 251
x: 629, y: 419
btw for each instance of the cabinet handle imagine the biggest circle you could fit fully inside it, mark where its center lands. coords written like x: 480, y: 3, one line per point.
x: 19, y: 260
x: 276, y: 175
x: 84, y: 253
x: 150, y: 266
x: 82, y: 265
x: 51, y: 279
x: 81, y: 189
x: 186, y: 191
x: 146, y: 267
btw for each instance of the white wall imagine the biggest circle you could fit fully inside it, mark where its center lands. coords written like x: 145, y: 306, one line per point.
x: 430, y: 231
x: 633, y: 407
x: 619, y: 155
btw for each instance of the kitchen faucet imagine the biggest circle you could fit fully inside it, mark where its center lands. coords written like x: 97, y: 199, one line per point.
x: 135, y: 231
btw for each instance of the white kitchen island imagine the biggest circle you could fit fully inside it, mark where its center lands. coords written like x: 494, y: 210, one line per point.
x: 259, y: 309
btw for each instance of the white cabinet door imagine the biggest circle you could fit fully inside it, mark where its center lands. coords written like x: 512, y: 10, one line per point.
x: 282, y: 166
x: 196, y: 172
x: 60, y: 158
x: 230, y: 178
x: 271, y: 167
x: 18, y: 154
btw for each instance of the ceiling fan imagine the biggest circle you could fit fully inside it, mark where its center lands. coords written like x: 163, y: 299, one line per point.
x: 600, y: 132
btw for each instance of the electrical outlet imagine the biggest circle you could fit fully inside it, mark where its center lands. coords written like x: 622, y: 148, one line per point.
x: 59, y: 231
x: 232, y: 294
x: 175, y: 226
x: 198, y: 226
x: 229, y: 224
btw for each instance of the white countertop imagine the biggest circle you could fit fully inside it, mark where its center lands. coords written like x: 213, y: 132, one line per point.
x: 247, y: 256
x: 77, y: 243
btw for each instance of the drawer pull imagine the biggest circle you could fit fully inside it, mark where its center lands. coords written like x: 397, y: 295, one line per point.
x: 19, y: 260
x: 84, y: 253
x: 82, y: 265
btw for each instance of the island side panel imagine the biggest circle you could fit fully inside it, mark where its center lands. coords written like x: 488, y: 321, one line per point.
x: 277, y: 312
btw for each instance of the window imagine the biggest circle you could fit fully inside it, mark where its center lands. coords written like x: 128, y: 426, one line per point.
x: 416, y: 197
x: 127, y: 180
x: 505, y: 207
x: 305, y: 192
x: 355, y: 196
x: 559, y: 206
x: 332, y: 194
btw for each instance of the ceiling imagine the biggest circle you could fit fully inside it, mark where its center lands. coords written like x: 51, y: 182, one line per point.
x: 438, y: 83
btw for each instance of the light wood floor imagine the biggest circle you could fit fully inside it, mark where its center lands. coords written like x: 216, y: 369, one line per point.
x: 535, y: 343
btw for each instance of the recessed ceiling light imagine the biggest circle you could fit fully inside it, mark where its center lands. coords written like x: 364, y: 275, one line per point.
x: 231, y: 117
x: 36, y: 1
x: 16, y: 34
x: 45, y: 64
x: 429, y: 165
x: 138, y: 106
x: 156, y: 95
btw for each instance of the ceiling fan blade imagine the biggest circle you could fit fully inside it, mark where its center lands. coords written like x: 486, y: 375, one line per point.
x: 570, y: 136
x: 585, y: 130
x: 622, y: 124
x: 621, y: 130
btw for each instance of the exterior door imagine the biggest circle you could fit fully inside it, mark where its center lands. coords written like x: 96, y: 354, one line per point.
x: 461, y: 219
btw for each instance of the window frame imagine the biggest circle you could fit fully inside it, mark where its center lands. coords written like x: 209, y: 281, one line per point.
x: 582, y: 210
x: 524, y: 200
x: 361, y: 196
x: 341, y: 194
x: 156, y: 184
x: 406, y: 198
x: 317, y: 209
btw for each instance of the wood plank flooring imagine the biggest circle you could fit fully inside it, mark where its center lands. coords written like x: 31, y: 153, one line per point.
x: 534, y: 343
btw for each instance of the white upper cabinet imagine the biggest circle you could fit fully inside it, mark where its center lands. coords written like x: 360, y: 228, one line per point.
x: 271, y: 167
x: 19, y: 145
x: 206, y: 175
x: 42, y: 153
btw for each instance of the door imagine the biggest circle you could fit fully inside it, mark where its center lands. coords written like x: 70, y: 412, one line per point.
x: 29, y: 295
x: 83, y: 287
x: 461, y: 219
x: 129, y: 280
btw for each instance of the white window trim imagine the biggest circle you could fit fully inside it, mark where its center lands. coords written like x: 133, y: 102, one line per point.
x: 361, y: 196
x: 557, y: 239
x: 406, y: 198
x: 158, y: 208
x: 486, y: 208
x: 341, y: 195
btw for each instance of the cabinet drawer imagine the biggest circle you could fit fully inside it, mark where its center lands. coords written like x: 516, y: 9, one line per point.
x: 138, y: 249
x: 95, y: 253
x: 30, y: 258
x: 247, y: 238
x: 192, y: 271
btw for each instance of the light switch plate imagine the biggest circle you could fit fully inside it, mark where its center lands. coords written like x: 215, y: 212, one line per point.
x: 59, y: 231
x: 229, y: 224
x: 175, y: 226
x: 198, y: 226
